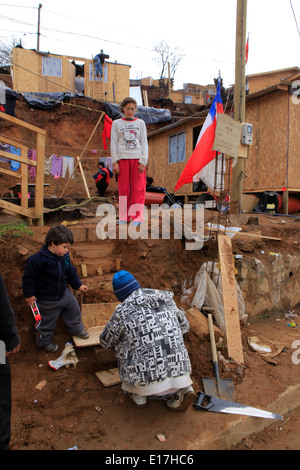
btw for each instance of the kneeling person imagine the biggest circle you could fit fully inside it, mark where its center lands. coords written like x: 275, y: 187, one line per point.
x: 146, y: 331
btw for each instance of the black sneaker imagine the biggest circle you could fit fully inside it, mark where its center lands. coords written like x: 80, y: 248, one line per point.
x: 51, y: 347
x: 83, y: 334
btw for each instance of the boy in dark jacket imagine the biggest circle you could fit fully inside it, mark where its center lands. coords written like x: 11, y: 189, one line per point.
x: 102, y: 178
x: 9, y: 344
x: 47, y: 274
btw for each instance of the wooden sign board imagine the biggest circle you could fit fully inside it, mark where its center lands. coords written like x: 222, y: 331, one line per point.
x: 227, y: 136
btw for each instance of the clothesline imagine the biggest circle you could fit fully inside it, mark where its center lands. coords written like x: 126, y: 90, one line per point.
x: 57, y: 166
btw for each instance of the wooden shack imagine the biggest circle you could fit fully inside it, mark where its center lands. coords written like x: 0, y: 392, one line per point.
x: 272, y: 163
x: 41, y: 72
x: 170, y: 149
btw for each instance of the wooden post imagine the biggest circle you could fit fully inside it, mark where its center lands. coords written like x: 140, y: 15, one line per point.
x: 169, y: 81
x: 79, y: 158
x: 39, y: 178
x: 230, y: 302
x: 239, y: 106
x: 83, y: 178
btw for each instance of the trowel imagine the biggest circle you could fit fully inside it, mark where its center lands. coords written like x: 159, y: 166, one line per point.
x: 210, y: 403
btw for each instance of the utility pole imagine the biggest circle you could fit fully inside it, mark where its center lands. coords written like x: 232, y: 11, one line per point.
x: 169, y: 81
x: 239, y: 106
x: 38, y: 32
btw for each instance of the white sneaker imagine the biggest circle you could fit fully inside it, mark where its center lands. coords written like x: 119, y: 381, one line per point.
x: 183, y: 398
x: 138, y: 400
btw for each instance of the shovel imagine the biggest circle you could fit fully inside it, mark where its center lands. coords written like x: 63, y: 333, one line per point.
x: 222, y: 388
x: 218, y: 405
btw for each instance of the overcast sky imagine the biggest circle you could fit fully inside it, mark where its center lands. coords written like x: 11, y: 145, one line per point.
x: 203, y: 31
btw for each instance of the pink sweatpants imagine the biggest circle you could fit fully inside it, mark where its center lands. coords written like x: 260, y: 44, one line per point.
x: 131, y: 184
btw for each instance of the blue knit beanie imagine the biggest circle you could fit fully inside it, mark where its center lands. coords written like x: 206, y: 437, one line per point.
x: 124, y: 284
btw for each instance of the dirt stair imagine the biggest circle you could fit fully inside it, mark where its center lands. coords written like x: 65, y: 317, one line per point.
x: 96, y: 256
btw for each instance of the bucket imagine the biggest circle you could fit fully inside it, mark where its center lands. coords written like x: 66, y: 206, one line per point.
x: 19, y: 195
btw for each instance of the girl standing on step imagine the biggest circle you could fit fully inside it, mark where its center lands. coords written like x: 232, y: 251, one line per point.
x: 129, y: 151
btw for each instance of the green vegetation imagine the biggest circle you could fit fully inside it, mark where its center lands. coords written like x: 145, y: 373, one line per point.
x: 16, y: 229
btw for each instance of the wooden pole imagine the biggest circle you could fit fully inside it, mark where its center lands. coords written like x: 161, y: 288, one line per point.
x: 169, y: 81
x: 38, y: 31
x: 79, y: 158
x: 239, y: 106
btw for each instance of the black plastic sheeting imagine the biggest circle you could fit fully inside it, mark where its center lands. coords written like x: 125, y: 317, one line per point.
x: 10, y: 100
x: 46, y: 100
x: 149, y: 115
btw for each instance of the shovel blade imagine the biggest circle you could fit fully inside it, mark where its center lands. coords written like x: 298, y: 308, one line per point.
x: 225, y: 390
x: 210, y: 403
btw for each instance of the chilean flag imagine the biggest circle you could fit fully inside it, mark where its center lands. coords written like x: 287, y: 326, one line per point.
x: 203, y: 153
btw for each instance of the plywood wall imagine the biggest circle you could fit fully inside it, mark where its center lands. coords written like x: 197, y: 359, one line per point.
x: 293, y: 157
x: 28, y: 77
x: 164, y: 174
x: 115, y: 88
x: 28, y: 73
x: 273, y: 161
x: 24, y: 61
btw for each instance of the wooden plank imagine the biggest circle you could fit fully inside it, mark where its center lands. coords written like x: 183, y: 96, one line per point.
x: 109, y: 377
x: 231, y: 312
x: 93, y: 340
x: 40, y: 177
x: 9, y: 172
x: 18, y: 122
x: 17, y: 158
x: 84, y: 270
x: 248, y: 234
x: 17, y: 209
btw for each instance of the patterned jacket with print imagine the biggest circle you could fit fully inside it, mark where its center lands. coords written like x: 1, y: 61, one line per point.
x: 146, y: 332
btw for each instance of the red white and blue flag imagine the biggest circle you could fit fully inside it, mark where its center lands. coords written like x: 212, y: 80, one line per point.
x: 203, y: 153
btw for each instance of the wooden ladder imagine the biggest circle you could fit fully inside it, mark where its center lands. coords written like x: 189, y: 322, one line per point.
x: 98, y: 90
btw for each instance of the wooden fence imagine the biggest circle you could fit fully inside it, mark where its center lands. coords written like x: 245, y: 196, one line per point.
x: 34, y: 213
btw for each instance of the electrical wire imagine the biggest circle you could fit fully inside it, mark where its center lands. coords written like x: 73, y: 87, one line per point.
x: 295, y: 17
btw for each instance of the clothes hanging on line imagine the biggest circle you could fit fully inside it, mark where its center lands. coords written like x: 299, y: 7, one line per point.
x: 68, y: 162
x: 32, y: 156
x: 107, y: 162
x: 47, y: 165
x: 13, y: 164
x: 56, y: 166
x: 106, y: 130
x: 4, y: 148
